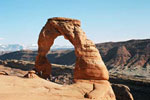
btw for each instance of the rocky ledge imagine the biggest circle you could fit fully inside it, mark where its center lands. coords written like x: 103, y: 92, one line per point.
x: 17, y: 88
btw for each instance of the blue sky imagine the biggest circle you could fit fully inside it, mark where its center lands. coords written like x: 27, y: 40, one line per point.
x: 102, y: 20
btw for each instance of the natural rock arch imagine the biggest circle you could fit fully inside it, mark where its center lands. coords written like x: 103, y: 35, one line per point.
x: 89, y: 64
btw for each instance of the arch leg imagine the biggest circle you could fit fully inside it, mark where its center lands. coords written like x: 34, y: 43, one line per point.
x: 42, y: 65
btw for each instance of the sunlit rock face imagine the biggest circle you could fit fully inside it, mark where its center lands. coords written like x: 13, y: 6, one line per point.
x: 89, y: 64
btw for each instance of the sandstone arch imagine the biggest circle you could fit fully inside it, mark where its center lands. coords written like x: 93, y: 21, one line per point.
x: 89, y: 64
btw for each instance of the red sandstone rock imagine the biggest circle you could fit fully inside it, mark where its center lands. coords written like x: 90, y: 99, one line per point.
x: 3, y: 73
x: 89, y: 66
x: 17, y: 88
x: 122, y: 92
x: 102, y: 90
x: 31, y: 74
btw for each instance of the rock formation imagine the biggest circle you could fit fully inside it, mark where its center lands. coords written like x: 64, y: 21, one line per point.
x: 31, y: 74
x: 122, y: 92
x: 89, y: 66
x: 3, y: 73
x: 17, y: 88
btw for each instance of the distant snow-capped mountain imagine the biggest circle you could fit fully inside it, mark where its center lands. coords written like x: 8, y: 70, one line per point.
x: 11, y: 47
x: 59, y: 47
x: 30, y: 47
x: 18, y: 47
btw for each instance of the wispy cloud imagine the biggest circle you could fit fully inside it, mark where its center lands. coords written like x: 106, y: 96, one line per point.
x: 1, y: 38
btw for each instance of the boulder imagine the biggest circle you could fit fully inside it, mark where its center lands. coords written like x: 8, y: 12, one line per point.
x: 3, y: 73
x: 122, y: 92
x: 31, y: 74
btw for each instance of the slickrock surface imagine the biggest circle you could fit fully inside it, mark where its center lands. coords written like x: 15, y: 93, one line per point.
x: 16, y: 88
x: 62, y: 75
x: 89, y: 66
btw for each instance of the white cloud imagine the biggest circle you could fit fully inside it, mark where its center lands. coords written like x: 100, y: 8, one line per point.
x: 1, y: 38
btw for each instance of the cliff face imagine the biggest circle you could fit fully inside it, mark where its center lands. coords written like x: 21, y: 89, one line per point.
x: 129, y: 54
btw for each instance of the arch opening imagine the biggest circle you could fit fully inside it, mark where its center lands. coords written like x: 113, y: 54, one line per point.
x: 62, y: 66
x: 61, y: 52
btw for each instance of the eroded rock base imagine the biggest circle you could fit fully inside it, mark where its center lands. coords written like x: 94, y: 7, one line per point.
x: 16, y: 88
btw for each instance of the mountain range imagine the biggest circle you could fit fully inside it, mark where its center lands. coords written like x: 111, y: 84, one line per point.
x: 10, y: 47
x: 18, y: 47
